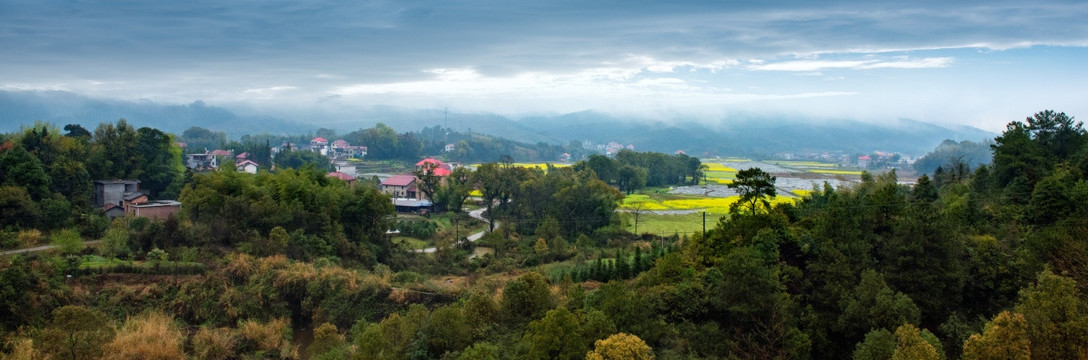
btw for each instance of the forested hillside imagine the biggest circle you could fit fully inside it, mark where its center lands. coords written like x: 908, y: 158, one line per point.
x: 972, y: 263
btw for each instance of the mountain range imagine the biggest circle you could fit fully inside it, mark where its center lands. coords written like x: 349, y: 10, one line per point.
x: 742, y: 136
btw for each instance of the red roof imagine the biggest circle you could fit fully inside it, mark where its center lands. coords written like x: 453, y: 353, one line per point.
x: 245, y: 162
x: 399, y: 180
x: 343, y: 144
x: 319, y: 139
x: 864, y: 157
x: 341, y: 176
x: 442, y: 172
x: 434, y: 161
x: 220, y: 153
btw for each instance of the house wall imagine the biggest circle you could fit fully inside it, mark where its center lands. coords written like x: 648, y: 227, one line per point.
x: 155, y: 212
x: 108, y: 194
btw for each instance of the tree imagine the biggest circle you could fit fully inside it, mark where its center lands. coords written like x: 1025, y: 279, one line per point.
x: 76, y: 332
x: 754, y: 186
x: 558, y: 335
x: 17, y: 208
x: 23, y: 169
x: 911, y: 345
x: 1005, y: 337
x: 621, y: 346
x: 328, y: 343
x: 68, y: 240
x: 879, y: 344
x: 428, y: 182
x: 77, y: 131
x: 480, y: 351
x: 1056, y: 132
x: 525, y: 298
x: 158, y: 166
x: 448, y: 330
x: 631, y: 178
x: 1056, y: 316
x: 873, y: 305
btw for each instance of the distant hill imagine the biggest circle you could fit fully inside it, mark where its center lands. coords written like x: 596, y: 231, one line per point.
x: 750, y: 136
x: 758, y: 136
x: 19, y: 108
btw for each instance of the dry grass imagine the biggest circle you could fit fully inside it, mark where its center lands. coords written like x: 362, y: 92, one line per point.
x: 267, y: 336
x: 151, y: 335
x: 22, y: 349
x: 239, y: 265
x: 30, y: 238
x: 214, y: 344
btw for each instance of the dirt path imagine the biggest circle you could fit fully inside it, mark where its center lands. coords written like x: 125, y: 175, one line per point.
x: 41, y: 248
x: 477, y: 214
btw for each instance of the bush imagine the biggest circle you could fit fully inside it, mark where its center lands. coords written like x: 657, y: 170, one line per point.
x: 215, y: 344
x: 420, y: 229
x: 152, y: 335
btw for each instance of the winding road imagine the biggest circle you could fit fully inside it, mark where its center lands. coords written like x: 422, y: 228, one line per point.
x: 46, y: 247
x: 477, y: 214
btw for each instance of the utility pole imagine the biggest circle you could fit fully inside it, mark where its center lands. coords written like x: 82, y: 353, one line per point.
x: 704, y: 224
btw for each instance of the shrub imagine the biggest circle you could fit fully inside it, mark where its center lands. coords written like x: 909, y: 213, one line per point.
x: 151, y: 335
x: 214, y: 344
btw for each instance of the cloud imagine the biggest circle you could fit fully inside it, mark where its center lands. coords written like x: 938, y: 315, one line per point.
x: 817, y: 65
x: 526, y: 55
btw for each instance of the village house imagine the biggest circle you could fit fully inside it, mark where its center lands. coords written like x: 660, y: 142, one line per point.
x: 450, y: 147
x: 435, y: 167
x: 114, y: 191
x: 863, y: 161
x: 201, y: 162
x: 319, y: 145
x: 155, y: 210
x: 246, y: 166
x: 341, y: 149
x: 401, y: 186
x: 350, y: 179
x: 346, y: 167
x: 207, y: 161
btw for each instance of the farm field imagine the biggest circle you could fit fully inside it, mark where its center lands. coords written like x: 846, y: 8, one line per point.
x: 665, y: 225
x: 837, y: 172
x: 809, y: 164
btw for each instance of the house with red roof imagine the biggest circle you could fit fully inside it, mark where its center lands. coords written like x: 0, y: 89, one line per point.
x: 434, y: 166
x: 246, y: 166
x: 401, y: 186
x: 320, y: 145
x: 863, y: 161
x: 342, y: 176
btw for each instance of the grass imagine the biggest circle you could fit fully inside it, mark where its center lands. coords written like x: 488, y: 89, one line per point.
x: 410, y: 242
x: 837, y: 172
x: 720, y: 177
x: 673, y: 224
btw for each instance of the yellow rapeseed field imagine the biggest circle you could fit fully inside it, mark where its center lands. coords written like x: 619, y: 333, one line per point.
x: 836, y: 172
x: 718, y: 167
x: 713, y: 205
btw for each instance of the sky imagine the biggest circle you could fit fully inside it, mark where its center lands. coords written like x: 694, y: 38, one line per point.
x: 978, y: 63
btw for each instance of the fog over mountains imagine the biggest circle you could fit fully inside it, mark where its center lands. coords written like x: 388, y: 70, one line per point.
x: 735, y: 135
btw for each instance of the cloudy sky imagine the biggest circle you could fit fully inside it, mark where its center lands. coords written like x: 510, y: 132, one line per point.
x: 980, y: 63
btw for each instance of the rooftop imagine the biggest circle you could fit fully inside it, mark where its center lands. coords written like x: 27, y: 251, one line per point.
x: 399, y: 180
